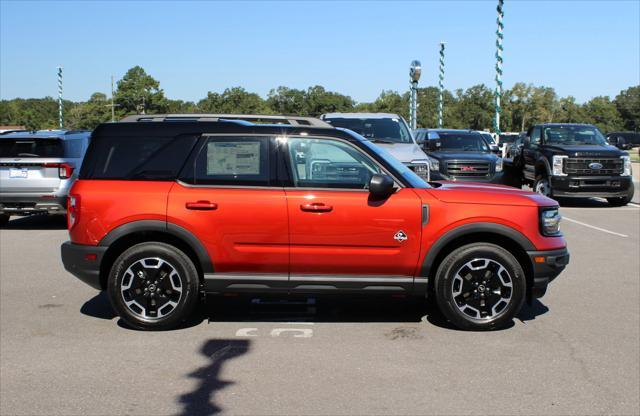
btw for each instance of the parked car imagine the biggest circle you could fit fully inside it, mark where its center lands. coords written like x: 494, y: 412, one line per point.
x: 462, y: 155
x: 164, y: 212
x: 505, y: 140
x: 575, y: 160
x: 389, y: 131
x: 624, y: 140
x: 493, y: 144
x: 514, y: 152
x: 37, y: 170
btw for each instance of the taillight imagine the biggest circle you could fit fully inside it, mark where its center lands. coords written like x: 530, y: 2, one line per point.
x: 73, y: 210
x: 65, y: 170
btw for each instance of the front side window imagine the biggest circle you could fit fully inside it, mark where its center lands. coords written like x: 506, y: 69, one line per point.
x: 573, y: 135
x: 378, y: 130
x: 325, y: 163
x: 232, y: 161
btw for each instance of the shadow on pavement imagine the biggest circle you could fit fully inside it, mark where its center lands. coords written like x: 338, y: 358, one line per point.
x: 345, y: 309
x: 201, y: 400
x: 583, y: 203
x: 37, y: 222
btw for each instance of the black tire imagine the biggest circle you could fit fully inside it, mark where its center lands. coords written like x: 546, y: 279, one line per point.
x: 174, y: 295
x: 542, y: 185
x: 449, y: 281
x: 4, y: 219
x: 619, y: 202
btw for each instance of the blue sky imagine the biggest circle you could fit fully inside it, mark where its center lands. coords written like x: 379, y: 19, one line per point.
x: 581, y: 48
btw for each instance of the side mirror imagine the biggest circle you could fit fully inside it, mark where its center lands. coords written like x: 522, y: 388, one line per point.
x: 381, y: 186
x: 434, y: 145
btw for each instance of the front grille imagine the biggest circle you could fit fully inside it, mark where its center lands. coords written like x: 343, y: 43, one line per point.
x: 468, y: 168
x: 580, y: 166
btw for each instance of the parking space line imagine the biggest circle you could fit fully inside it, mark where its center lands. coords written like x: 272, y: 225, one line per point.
x: 594, y: 227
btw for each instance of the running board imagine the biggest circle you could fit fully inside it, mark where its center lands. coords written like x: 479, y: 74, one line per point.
x: 310, y: 284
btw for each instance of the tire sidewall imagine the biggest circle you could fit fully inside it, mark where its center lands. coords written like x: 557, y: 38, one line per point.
x: 450, y: 266
x: 186, y: 271
x: 539, y: 179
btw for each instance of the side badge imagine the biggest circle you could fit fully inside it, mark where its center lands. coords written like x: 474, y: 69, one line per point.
x: 400, y: 236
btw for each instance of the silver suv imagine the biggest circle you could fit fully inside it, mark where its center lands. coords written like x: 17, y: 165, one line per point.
x: 390, y: 132
x: 37, y: 170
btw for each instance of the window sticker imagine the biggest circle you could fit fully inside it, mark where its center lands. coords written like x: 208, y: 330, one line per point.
x: 233, y: 158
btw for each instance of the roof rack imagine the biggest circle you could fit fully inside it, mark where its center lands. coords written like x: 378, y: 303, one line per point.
x: 251, y: 118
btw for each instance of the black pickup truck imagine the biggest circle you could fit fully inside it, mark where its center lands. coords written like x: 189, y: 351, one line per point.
x: 575, y: 160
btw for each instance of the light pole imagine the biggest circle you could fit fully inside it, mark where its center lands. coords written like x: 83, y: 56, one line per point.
x: 60, y: 116
x: 441, y: 85
x: 499, y: 49
x: 414, y: 75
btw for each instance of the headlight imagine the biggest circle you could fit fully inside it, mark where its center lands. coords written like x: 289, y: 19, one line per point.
x: 499, y: 165
x: 626, y: 165
x: 421, y: 168
x: 550, y: 221
x: 558, y: 163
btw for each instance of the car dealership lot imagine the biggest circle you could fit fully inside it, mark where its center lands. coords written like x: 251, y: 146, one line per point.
x: 575, y: 351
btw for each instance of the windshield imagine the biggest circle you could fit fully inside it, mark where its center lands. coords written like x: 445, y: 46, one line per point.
x: 508, y: 138
x: 462, y: 142
x: 378, y: 130
x: 488, y: 138
x: 31, y: 148
x: 573, y: 135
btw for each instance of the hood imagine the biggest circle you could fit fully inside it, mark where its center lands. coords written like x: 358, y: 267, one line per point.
x: 478, y: 193
x: 585, y: 150
x: 442, y: 156
x: 404, y: 152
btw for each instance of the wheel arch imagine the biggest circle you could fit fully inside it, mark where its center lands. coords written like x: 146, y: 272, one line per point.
x: 127, y: 235
x: 542, y: 165
x: 511, y: 240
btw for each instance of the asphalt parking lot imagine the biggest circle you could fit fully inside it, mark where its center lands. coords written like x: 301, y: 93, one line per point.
x: 575, y: 351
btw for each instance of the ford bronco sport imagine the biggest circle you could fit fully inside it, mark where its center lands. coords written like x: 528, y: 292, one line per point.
x: 166, y: 211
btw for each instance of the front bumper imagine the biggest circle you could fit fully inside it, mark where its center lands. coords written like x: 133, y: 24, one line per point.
x: 16, y: 204
x: 76, y: 260
x: 497, y: 178
x: 546, y: 266
x: 592, y: 186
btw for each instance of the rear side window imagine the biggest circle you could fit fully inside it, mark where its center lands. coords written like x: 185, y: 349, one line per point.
x: 31, y: 148
x: 232, y: 161
x: 137, y: 158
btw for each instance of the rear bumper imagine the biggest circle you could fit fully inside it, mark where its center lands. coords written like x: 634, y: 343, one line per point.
x: 592, y: 186
x: 74, y: 258
x: 546, y: 265
x: 16, y: 204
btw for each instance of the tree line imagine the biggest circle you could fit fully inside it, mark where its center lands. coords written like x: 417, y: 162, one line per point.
x: 473, y: 108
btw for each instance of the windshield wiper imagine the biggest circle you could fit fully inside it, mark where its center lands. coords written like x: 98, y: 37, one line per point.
x: 381, y: 141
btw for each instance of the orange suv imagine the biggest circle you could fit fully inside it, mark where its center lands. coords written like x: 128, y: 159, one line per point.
x: 167, y: 208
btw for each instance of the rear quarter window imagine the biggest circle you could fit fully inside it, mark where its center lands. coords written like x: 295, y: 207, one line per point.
x: 136, y: 158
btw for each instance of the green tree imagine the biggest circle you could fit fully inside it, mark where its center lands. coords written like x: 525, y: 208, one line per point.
x: 87, y: 116
x: 628, y: 105
x: 234, y: 100
x: 317, y: 101
x: 475, y: 108
x: 602, y: 112
x: 284, y: 100
x: 570, y: 111
x: 138, y: 92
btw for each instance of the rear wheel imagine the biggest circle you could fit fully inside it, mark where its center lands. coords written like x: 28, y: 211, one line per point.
x: 4, y: 219
x: 480, y: 286
x: 153, y: 286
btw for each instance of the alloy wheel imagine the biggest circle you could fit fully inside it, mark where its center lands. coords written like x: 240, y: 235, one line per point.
x: 151, y: 288
x: 482, y: 289
x: 543, y: 187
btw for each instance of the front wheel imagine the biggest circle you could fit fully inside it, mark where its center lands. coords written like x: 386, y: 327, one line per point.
x: 153, y: 286
x: 480, y: 286
x: 542, y: 185
x: 619, y: 202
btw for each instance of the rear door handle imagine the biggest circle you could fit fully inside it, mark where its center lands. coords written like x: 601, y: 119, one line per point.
x: 316, y: 207
x: 201, y: 205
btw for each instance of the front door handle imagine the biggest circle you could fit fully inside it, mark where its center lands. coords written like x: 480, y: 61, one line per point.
x: 201, y: 205
x: 316, y: 207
